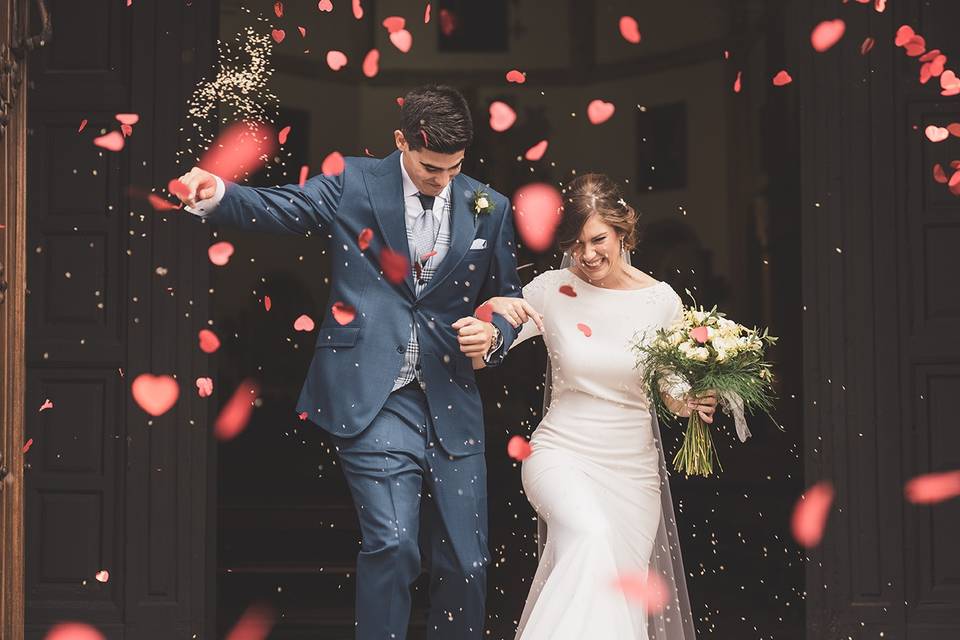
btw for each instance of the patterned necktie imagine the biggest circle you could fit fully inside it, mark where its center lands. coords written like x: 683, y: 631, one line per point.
x: 424, y: 232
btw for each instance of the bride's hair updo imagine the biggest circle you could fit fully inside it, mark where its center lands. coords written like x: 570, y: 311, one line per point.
x: 595, y: 193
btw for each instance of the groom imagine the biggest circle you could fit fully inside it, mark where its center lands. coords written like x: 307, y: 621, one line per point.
x: 395, y: 386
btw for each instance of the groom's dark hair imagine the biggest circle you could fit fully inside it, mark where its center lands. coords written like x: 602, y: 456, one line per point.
x: 436, y: 117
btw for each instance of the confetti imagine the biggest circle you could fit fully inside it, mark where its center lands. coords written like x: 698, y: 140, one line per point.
x: 502, y: 116
x: 517, y: 76
x: 336, y: 60
x: 220, y: 252
x: 282, y: 136
x: 782, y: 78
x: 303, y: 323
x: 155, y: 394
x: 343, y: 313
x: 536, y: 152
x: 47, y: 404
x: 738, y: 82
x: 537, y: 214
x: 584, y: 329
x: 267, y: 303
x: 204, y: 387
x: 27, y: 445
x: 599, y: 111
x: 73, y: 631
x: 333, y: 164
x: 208, y: 341
x: 630, y: 30
x: 518, y: 448
x: 363, y: 240
x: 426, y: 14
x: 303, y: 31
x: 83, y: 125
x: 112, y: 141
x: 395, y: 265
x: 826, y: 34
x: 810, y: 514
x: 278, y: 9
x: 371, y: 63
x: 235, y: 415
x: 932, y: 488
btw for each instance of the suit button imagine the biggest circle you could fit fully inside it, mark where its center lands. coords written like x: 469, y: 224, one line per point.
x: 400, y: 348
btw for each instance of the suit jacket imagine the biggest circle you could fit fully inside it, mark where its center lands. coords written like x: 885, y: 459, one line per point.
x: 354, y: 366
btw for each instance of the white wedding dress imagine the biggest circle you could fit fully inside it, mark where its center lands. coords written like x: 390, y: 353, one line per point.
x: 596, y: 475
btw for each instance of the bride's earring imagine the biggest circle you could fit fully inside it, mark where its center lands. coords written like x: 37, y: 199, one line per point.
x: 621, y: 244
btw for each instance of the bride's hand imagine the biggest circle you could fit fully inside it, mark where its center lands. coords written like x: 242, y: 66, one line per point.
x: 516, y: 310
x: 705, y: 404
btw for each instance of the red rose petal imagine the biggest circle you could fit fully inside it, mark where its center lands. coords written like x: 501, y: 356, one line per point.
x: 630, y: 30
x: 903, y: 35
x: 880, y: 5
x: 102, y: 576
x: 700, y: 334
x: 599, y: 111
x: 782, y: 78
x: 518, y: 448
x: 282, y: 136
x: 426, y: 14
x: 27, y: 445
x: 155, y: 394
x: 303, y: 32
x: 159, y: 204
x: 915, y: 46
x: 936, y: 134
x: 278, y: 9
x: 650, y: 590
x: 810, y: 514
x: 304, y: 171
x: 567, y: 290
x: 332, y: 165
x: 47, y: 404
x: 255, y: 624
x: 502, y: 116
x: 83, y: 125
x: 178, y: 189
x: 204, y: 387
x: 73, y: 631
x: 427, y: 256
x: 267, y: 303
x: 303, y: 323
x: 738, y: 82
x: 867, y: 45
x: 931, y: 488
x: 938, y: 174
x: 402, y: 40
x: 400, y: 102
x: 537, y: 213
x: 584, y: 329
x: 343, y: 313
x: 128, y: 118
x: 209, y: 342
x: 242, y: 148
x: 326, y: 6
x: 126, y: 130
x: 536, y: 152
x: 515, y: 75
x: 395, y: 266
x: 394, y: 23
x: 112, y: 141
x: 826, y: 34
x: 371, y: 63
x: 236, y: 413
x: 954, y: 129
x: 220, y: 252
x: 278, y: 35
x: 484, y: 312
x: 363, y: 240
x: 950, y: 83
x: 357, y: 9
x: 302, y: 415
x: 336, y: 60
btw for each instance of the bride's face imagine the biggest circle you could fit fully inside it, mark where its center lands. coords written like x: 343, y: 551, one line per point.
x: 597, y: 250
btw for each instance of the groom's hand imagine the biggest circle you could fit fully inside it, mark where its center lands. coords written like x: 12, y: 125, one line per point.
x: 475, y: 336
x: 199, y: 184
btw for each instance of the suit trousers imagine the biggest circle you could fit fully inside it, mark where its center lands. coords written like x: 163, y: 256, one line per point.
x: 416, y: 506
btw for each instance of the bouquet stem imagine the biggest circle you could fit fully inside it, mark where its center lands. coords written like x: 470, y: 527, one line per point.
x: 696, y: 456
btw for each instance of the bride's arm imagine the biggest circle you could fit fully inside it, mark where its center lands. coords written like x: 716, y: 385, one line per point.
x: 517, y: 311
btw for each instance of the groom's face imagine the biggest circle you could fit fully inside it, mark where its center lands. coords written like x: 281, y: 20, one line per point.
x: 429, y: 170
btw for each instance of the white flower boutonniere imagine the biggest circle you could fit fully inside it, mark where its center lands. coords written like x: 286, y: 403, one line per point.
x: 482, y: 204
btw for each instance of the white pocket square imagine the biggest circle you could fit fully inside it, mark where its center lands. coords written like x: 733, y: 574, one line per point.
x: 479, y: 243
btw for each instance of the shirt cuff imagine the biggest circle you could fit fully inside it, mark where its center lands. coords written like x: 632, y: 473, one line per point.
x: 496, y: 346
x: 204, y: 207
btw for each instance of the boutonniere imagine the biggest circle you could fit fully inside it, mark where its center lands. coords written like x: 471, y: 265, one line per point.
x: 482, y: 204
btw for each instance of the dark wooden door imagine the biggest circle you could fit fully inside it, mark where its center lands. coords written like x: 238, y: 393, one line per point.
x: 115, y: 290
x: 881, y: 301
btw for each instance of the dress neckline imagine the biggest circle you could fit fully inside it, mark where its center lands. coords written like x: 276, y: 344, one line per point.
x: 593, y: 286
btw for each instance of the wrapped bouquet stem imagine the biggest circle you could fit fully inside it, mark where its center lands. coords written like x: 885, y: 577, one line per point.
x: 705, y: 352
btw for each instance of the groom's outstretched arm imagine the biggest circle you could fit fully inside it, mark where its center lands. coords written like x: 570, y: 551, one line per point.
x: 286, y: 209
x: 502, y: 280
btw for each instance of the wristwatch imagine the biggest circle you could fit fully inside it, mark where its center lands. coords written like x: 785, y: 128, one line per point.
x: 494, y: 340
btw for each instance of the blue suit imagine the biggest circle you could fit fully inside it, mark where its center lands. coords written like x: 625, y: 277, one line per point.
x: 413, y: 454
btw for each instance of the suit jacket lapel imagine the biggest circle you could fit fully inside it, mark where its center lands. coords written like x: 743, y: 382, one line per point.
x: 385, y: 186
x: 461, y: 231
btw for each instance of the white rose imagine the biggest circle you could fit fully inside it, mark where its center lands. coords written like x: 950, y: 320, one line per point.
x: 482, y: 203
x: 700, y: 353
x: 676, y: 338
x: 721, y: 355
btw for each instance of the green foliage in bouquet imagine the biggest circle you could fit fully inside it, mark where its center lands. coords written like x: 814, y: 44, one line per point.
x: 705, y: 351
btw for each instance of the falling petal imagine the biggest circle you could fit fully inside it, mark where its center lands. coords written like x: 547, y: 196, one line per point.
x: 83, y: 125
x: 584, y: 329
x: 333, y: 164
x: 867, y: 45
x: 502, y: 116
x: 826, y: 34
x: 599, y: 111
x: 484, y: 312
x: 159, y: 204
x: 343, y: 313
x: 73, y: 631
x: 236, y: 413
x: 938, y: 174
x: 112, y: 141
x: 128, y: 118
x: 567, y: 290
x: 282, y: 136
x: 27, y: 445
x: 209, y: 342
x: 304, y: 170
x: 536, y: 152
x: 303, y: 323
x: 278, y: 9
x: 395, y: 265
x: 402, y: 40
x: 363, y: 240
x: 357, y: 9
x: 782, y: 78
x: 204, y: 387
x: 371, y: 63
x: 426, y: 14
x: 336, y: 60
x: 517, y: 76
x: 810, y: 514
x: 278, y: 35
x: 936, y: 134
x: 394, y: 23
x: 931, y: 488
x: 267, y: 303
x: 630, y: 30
x: 47, y: 404
x: 242, y: 148
x: 738, y: 82
x: 518, y: 448
x: 255, y: 624
x: 537, y: 214
x: 327, y: 6
x: 102, y: 576
x: 220, y: 252
x: 650, y: 590
x: 178, y: 189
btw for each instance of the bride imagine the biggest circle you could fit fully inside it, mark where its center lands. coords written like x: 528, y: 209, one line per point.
x: 596, y: 475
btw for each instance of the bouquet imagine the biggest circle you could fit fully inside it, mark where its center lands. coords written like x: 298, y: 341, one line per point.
x: 705, y: 351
